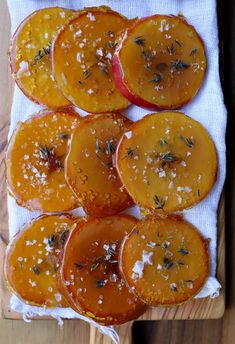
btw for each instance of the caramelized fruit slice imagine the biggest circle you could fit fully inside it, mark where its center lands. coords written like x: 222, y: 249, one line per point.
x: 28, y: 266
x: 89, y: 165
x: 165, y: 261
x: 35, y: 161
x: 159, y: 62
x: 30, y: 55
x: 167, y: 162
x: 90, y: 271
x: 82, y: 55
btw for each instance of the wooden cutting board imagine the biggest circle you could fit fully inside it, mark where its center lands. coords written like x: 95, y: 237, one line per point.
x: 196, y: 309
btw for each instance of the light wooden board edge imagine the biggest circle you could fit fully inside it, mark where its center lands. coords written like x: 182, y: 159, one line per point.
x: 195, y: 309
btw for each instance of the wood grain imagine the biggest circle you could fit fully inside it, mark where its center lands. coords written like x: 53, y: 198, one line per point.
x: 195, y: 309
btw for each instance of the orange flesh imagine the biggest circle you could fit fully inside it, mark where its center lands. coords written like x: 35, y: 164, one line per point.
x: 90, y: 271
x: 167, y: 162
x: 151, y: 57
x: 164, y: 261
x: 32, y: 73
x: 89, y: 167
x: 28, y: 266
x: 82, y: 57
x: 35, y: 160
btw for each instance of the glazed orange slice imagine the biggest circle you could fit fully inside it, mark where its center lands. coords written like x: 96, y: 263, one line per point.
x: 165, y: 261
x: 30, y: 55
x: 159, y: 62
x: 167, y: 162
x: 90, y: 272
x: 82, y: 56
x: 89, y: 166
x: 29, y: 270
x: 35, y: 161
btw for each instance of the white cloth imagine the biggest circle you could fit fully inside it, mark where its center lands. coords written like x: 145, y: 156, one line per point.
x: 207, y: 107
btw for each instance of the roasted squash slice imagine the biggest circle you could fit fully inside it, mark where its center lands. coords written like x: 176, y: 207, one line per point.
x: 165, y: 261
x: 160, y: 62
x: 82, y: 55
x: 167, y: 162
x: 89, y: 167
x: 30, y: 55
x: 35, y: 161
x: 29, y: 268
x: 90, y: 272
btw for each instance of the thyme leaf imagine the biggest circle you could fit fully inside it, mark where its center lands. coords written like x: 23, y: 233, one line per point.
x: 168, y: 263
x: 130, y: 152
x: 173, y: 287
x: 183, y: 251
x: 147, y: 55
x: 36, y: 270
x: 63, y: 136
x: 80, y: 265
x: 87, y: 73
x: 139, y: 41
x: 178, y: 42
x: 194, y: 52
x: 51, y: 240
x: 100, y: 283
x: 179, y: 65
x: 157, y: 78
x: 170, y: 49
x: 163, y: 142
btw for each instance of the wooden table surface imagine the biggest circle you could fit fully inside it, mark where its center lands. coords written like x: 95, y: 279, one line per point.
x: 220, y: 331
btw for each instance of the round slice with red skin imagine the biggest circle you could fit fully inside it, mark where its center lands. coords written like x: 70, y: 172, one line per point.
x: 29, y: 269
x: 35, y: 161
x: 82, y: 55
x: 89, y: 166
x: 164, y: 261
x: 159, y: 62
x: 90, y: 271
x: 167, y: 162
x: 30, y: 55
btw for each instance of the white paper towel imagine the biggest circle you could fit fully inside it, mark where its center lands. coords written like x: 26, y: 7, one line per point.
x: 207, y: 107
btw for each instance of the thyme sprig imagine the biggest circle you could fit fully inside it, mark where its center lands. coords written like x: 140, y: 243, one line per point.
x: 107, y: 150
x: 159, y: 202
x: 169, y: 157
x: 43, y: 52
x: 130, y: 153
x: 49, y: 156
x: 188, y: 141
